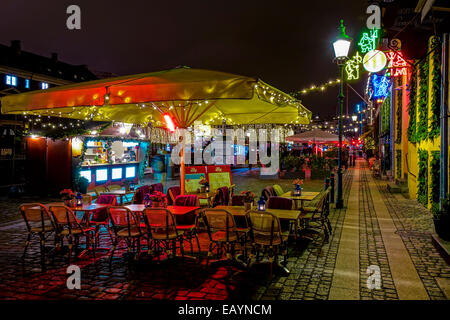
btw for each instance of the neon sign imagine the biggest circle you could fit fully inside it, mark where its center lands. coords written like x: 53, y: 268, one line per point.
x: 374, y: 61
x: 397, y: 64
x: 380, y: 85
x: 352, y: 67
x: 368, y: 41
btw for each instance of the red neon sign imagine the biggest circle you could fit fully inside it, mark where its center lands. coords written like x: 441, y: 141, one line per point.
x: 397, y: 63
x: 169, y: 123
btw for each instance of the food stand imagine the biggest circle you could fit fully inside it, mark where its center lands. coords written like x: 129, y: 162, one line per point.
x: 112, y: 160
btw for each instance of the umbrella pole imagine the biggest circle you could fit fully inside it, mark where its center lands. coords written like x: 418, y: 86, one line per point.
x: 182, y: 172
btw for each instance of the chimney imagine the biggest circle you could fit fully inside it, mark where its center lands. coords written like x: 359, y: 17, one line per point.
x: 15, y: 46
x: 54, y: 57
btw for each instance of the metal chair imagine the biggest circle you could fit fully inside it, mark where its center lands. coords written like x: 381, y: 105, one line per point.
x: 316, y: 216
x: 68, y: 226
x: 38, y: 222
x: 267, y: 238
x: 126, y: 226
x: 163, y: 233
x: 222, y: 232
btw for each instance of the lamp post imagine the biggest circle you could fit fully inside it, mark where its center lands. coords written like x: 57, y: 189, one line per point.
x: 341, y: 47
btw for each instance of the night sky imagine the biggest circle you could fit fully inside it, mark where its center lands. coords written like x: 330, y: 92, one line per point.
x: 288, y: 44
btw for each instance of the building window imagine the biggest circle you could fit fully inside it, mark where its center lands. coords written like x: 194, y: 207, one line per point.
x: 11, y: 80
x: 44, y: 85
x: 27, y: 83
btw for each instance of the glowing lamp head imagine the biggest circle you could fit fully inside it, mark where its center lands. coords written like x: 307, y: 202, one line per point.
x: 169, y: 123
x: 122, y: 130
x: 79, y: 200
x: 342, y: 44
x: 354, y: 118
x: 261, y: 204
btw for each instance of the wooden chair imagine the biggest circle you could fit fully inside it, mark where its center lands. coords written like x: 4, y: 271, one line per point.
x: 98, y: 191
x: 267, y: 237
x: 38, y: 222
x: 113, y: 187
x: 315, y: 215
x: 100, y: 217
x: 68, y: 226
x: 222, y: 232
x: 173, y: 192
x: 127, y: 226
x: 188, y: 224
x: 163, y: 232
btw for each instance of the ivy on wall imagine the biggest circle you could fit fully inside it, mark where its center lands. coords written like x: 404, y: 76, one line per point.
x: 385, y: 115
x: 398, y: 120
x: 398, y: 160
x: 435, y: 169
x: 435, y: 84
x: 422, y: 178
x: 412, y: 107
x: 422, y: 125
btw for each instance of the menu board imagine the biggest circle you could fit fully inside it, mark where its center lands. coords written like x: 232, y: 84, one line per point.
x: 193, y: 175
x: 219, y: 176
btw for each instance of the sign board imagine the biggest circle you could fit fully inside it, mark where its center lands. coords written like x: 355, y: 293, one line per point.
x: 193, y: 175
x: 219, y: 176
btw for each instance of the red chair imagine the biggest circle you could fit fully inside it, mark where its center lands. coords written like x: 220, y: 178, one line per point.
x: 189, y: 222
x: 139, y: 194
x: 100, y: 216
x: 173, y: 192
x: 222, y: 197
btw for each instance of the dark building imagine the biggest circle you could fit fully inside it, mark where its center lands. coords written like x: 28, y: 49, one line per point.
x: 22, y: 71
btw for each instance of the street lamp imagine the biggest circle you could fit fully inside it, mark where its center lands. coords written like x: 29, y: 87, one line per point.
x: 341, y: 47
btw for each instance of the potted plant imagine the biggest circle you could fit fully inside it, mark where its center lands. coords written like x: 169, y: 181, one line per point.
x: 441, y: 219
x: 204, y: 184
x: 248, y: 199
x: 158, y: 199
x: 67, y: 196
x: 297, y: 187
x: 82, y: 185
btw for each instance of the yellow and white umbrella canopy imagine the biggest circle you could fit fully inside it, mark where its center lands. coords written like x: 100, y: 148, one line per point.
x: 186, y: 94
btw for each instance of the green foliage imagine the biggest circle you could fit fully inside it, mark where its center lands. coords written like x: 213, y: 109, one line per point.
x: 435, y: 83
x: 422, y: 178
x: 398, y: 138
x: 385, y: 115
x: 398, y: 159
x: 444, y: 212
x: 435, y: 169
x: 422, y: 126
x: 291, y: 162
x: 412, y: 107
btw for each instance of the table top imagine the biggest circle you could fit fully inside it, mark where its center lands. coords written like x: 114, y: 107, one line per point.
x: 89, y: 207
x: 306, y: 195
x: 176, y: 210
x: 202, y: 195
x: 280, y: 213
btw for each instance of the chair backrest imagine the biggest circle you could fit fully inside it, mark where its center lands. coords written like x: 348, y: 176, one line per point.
x: 173, y: 192
x: 107, y: 199
x: 278, y: 190
x: 266, y: 227
x: 222, y: 197
x: 187, y: 201
x: 123, y: 218
x: 64, y: 218
x: 158, y: 187
x: 280, y: 203
x: 238, y: 200
x: 160, y: 221
x: 98, y: 190
x: 139, y: 194
x: 113, y: 187
x: 218, y: 220
x: 268, y: 192
x: 36, y: 215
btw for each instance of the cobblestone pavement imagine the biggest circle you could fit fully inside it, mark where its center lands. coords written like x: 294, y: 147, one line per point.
x: 312, y: 263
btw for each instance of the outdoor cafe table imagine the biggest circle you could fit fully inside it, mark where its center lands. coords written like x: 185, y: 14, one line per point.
x: 209, y: 196
x: 118, y: 193
x: 178, y: 211
x: 306, y: 196
x: 282, y: 214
